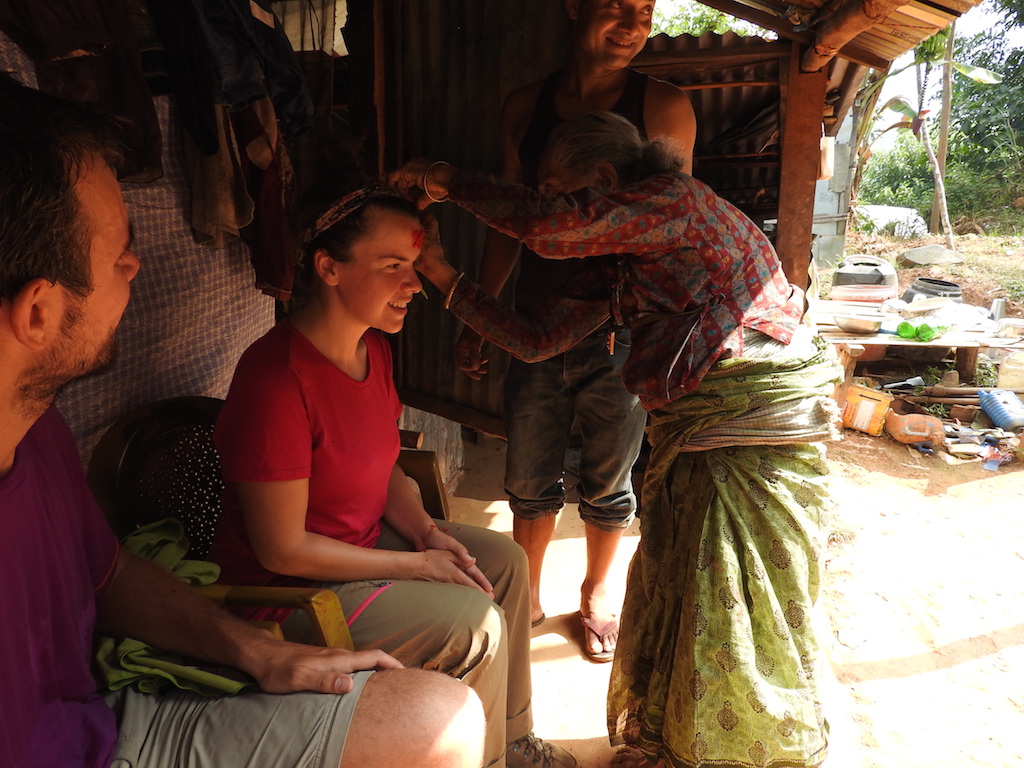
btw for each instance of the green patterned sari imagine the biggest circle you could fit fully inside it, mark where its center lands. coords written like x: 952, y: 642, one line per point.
x: 718, y: 662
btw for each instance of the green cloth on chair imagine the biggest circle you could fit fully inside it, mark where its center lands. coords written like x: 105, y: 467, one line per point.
x: 124, y: 661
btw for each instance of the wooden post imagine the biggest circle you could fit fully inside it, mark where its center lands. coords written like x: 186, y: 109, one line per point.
x: 802, y: 97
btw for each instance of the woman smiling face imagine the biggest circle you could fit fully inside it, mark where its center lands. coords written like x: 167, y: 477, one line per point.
x: 375, y: 285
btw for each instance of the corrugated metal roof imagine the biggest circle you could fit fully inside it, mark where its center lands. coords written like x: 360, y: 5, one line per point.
x: 876, y: 45
x: 734, y: 84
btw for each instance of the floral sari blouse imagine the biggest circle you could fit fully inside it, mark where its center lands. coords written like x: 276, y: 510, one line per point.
x: 692, y: 272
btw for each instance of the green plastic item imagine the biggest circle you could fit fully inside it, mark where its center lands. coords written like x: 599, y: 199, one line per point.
x: 927, y: 332
x: 906, y: 330
x: 920, y: 331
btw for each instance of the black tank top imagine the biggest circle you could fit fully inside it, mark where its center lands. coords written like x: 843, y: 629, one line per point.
x: 539, y: 277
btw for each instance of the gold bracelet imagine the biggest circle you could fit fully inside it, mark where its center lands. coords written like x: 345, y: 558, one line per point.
x: 423, y: 182
x: 451, y: 291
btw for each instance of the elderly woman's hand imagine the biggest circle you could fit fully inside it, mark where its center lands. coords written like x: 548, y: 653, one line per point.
x: 422, y: 181
x: 432, y: 264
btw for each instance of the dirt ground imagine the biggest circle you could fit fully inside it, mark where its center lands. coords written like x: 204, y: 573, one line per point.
x: 924, y: 598
x: 924, y: 591
x: 923, y: 594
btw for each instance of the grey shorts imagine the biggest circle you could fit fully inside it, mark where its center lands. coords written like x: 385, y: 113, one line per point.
x: 298, y: 730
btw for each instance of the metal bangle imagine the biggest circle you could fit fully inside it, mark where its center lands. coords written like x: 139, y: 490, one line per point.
x: 423, y: 182
x: 451, y: 291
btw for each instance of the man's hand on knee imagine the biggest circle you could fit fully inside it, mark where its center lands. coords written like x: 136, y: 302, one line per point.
x: 290, y: 667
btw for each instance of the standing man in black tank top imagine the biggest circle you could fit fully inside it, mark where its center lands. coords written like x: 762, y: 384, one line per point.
x: 541, y: 399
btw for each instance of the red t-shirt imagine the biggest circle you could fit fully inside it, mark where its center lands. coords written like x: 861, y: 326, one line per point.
x: 292, y: 414
x: 57, y: 553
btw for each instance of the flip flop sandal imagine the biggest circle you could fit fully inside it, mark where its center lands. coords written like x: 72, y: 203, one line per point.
x: 539, y: 621
x: 598, y: 657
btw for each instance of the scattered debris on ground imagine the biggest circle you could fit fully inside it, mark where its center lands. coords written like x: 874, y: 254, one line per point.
x: 971, y: 423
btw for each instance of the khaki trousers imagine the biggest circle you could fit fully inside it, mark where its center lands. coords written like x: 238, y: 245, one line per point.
x: 454, y: 629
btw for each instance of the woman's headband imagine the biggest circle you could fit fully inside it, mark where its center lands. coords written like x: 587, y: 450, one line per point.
x: 344, y: 208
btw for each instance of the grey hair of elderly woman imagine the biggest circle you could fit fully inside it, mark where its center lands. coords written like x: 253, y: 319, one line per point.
x: 576, y: 147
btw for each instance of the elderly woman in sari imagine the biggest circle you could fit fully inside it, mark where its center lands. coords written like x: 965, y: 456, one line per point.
x: 718, y: 662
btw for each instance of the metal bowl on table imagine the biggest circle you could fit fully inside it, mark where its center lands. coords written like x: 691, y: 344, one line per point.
x: 865, y: 324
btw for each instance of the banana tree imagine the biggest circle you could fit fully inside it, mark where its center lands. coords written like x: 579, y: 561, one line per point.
x: 928, y: 55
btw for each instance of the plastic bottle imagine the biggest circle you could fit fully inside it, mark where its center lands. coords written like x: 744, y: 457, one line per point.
x: 1003, y: 407
x: 1011, y: 372
x: 910, y: 428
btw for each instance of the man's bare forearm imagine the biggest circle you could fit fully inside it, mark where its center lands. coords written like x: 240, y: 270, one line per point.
x: 150, y: 604
x: 501, y: 253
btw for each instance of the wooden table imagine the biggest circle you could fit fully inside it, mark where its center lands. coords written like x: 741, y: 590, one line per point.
x: 850, y: 346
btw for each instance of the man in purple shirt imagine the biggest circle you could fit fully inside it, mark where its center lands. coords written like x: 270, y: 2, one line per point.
x: 65, y: 268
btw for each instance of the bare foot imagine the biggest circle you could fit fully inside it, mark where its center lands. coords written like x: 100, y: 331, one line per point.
x: 631, y: 757
x: 536, y: 610
x: 600, y: 625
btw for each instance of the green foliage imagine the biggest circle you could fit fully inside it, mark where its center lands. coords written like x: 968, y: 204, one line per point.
x: 899, y: 176
x: 987, y: 374
x: 688, y: 17
x: 1014, y: 287
x: 979, y: 184
x: 1013, y: 11
x: 988, y: 139
x: 862, y: 224
x: 938, y: 410
x: 985, y: 161
x: 990, y: 114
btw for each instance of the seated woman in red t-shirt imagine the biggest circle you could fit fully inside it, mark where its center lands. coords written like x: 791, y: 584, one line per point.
x: 308, y: 441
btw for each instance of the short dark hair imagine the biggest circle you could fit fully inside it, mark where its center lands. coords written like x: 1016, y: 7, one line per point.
x: 338, y: 240
x: 44, y: 142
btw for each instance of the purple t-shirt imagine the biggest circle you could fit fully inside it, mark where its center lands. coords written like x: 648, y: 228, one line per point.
x: 56, y: 554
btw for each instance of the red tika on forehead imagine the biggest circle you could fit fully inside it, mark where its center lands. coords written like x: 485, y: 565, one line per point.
x: 417, y: 238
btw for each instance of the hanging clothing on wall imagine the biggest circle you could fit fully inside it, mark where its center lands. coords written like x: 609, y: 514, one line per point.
x: 232, y: 59
x: 252, y: 58
x: 86, y: 51
x: 221, y: 204
x: 193, y: 309
x: 189, y: 68
x: 268, y: 175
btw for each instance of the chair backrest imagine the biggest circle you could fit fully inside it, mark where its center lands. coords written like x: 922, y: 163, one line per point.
x: 159, y: 461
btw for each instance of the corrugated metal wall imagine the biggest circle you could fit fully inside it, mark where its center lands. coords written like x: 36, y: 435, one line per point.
x: 458, y: 60
x: 733, y: 83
